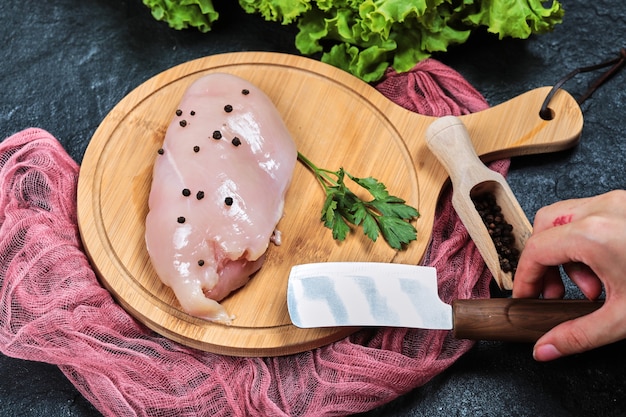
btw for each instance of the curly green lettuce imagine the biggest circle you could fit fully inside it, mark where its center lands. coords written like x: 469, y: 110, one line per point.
x: 283, y: 11
x: 366, y: 40
x: 182, y: 14
x: 365, y: 37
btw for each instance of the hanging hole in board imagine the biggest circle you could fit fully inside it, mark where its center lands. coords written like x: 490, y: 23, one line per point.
x: 546, y: 113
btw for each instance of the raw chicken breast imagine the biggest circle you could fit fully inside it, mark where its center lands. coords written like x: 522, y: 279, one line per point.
x: 218, y: 190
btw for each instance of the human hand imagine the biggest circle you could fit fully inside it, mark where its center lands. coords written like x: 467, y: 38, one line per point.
x: 588, y: 237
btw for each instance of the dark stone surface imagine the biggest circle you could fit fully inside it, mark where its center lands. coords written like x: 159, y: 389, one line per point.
x: 68, y: 62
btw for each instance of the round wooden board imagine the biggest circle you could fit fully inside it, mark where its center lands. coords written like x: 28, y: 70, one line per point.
x: 336, y: 121
x: 332, y: 125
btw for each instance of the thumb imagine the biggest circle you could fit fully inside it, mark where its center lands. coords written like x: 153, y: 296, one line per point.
x: 579, y: 335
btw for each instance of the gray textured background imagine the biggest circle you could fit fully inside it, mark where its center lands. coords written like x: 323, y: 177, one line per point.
x: 66, y: 63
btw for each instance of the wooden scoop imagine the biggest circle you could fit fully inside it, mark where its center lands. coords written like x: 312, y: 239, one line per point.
x: 449, y: 141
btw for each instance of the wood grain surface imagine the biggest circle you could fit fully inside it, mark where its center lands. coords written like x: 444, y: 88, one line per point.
x: 336, y: 120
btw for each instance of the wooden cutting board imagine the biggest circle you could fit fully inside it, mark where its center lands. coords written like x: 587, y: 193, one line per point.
x: 336, y: 120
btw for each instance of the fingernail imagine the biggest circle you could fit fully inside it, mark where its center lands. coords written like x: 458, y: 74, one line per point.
x: 546, y: 353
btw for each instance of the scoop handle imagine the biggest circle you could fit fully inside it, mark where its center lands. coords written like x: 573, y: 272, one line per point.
x: 514, y: 319
x: 448, y: 139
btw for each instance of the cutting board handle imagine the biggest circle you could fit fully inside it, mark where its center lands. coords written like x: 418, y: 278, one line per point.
x: 514, y: 319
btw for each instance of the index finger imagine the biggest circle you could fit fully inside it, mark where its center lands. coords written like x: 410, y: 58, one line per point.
x: 537, y: 271
x: 560, y: 213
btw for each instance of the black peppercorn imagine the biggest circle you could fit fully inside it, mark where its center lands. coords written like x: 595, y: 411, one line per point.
x: 193, y: 113
x: 245, y: 91
x: 179, y: 112
x: 201, y: 262
x: 228, y: 108
x: 236, y: 141
x: 228, y: 201
x: 181, y: 220
x: 183, y: 123
x: 160, y: 151
x: 186, y: 192
x: 200, y: 195
x: 196, y: 149
x: 217, y: 135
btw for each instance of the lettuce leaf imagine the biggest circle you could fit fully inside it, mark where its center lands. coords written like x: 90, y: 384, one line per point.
x: 516, y: 18
x: 283, y: 11
x: 182, y: 14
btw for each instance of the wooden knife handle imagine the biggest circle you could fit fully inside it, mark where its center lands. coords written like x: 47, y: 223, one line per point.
x: 514, y: 319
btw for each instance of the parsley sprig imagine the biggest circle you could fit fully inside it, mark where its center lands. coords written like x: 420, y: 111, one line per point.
x: 385, y: 214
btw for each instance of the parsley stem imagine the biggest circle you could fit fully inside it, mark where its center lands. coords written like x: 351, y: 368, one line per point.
x: 320, y: 174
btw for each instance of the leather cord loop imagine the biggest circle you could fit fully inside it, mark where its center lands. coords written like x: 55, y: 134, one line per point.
x: 616, y: 64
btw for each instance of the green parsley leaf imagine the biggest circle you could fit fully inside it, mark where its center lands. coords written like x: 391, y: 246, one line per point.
x: 385, y: 214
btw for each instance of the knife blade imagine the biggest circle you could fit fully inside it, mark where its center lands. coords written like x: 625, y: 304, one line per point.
x: 362, y: 294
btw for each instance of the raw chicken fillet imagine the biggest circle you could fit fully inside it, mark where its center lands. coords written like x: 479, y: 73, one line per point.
x: 218, y: 191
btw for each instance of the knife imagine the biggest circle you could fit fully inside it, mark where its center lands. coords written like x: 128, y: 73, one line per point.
x: 359, y: 294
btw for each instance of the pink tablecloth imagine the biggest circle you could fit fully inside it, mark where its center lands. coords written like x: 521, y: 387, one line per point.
x: 53, y: 309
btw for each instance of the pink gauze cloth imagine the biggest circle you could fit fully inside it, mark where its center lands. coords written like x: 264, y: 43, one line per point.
x: 53, y: 309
